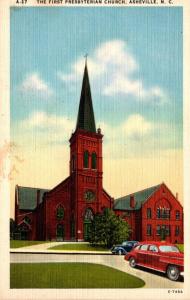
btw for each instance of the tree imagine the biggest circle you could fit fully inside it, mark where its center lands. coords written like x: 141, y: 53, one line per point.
x: 108, y: 229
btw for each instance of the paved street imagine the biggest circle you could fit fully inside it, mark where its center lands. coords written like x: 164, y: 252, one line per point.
x: 152, y: 279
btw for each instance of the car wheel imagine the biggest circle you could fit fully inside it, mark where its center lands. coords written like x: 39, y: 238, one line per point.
x: 132, y: 262
x: 120, y: 252
x: 173, y: 273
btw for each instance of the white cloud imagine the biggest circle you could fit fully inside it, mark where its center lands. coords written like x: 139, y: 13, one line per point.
x: 136, y: 136
x: 42, y: 128
x: 135, y: 127
x: 49, y: 128
x: 34, y: 84
x: 116, y: 54
x: 114, y: 66
x: 41, y: 119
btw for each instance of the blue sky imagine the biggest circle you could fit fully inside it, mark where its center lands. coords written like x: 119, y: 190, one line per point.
x: 48, y: 41
x: 135, y: 69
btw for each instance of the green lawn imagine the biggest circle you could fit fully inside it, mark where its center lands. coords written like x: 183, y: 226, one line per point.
x: 82, y: 247
x: 18, y: 244
x: 181, y: 247
x: 70, y: 275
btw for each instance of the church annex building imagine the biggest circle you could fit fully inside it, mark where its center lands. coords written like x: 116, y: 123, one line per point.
x: 66, y: 211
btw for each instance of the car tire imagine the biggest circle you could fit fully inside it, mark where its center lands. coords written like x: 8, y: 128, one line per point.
x: 132, y: 262
x: 120, y: 252
x: 173, y: 272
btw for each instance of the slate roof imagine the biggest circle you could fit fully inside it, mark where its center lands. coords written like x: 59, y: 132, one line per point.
x: 85, y: 119
x: 140, y: 198
x: 27, y: 197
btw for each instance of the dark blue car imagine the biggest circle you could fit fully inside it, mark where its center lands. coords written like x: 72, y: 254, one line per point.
x: 124, y: 248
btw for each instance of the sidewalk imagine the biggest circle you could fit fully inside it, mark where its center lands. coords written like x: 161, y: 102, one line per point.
x: 43, y: 248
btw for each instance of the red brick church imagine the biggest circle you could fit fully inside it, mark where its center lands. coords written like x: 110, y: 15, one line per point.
x: 66, y: 211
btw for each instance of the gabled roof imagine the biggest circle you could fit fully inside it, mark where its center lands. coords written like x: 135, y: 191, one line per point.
x: 86, y: 120
x: 140, y: 197
x: 27, y: 197
x: 62, y: 183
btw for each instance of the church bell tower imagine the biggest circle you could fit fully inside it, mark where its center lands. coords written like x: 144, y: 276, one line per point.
x: 85, y: 165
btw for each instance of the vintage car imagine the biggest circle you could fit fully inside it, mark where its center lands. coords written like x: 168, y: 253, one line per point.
x: 159, y: 256
x: 124, y: 248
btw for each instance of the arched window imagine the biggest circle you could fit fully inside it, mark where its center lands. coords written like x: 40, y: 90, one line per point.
x: 60, y: 212
x: 94, y: 161
x: 86, y: 159
x: 89, y: 216
x: 163, y: 213
x: 27, y: 220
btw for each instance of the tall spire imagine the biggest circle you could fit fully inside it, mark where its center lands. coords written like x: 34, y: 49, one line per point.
x: 85, y: 118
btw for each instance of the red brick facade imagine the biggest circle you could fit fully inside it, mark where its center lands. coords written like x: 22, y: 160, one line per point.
x: 161, y: 211
x: 82, y: 191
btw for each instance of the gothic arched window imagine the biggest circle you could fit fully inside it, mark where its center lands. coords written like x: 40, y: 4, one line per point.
x: 27, y: 220
x: 94, y: 160
x: 86, y: 159
x: 89, y: 216
x: 60, y: 212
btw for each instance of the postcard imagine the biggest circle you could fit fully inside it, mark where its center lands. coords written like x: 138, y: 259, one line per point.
x: 94, y: 155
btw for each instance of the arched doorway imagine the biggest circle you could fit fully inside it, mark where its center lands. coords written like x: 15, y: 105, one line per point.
x: 60, y: 232
x: 24, y: 230
x: 88, y: 217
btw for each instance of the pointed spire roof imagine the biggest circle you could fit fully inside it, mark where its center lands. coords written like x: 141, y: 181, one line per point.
x: 86, y: 120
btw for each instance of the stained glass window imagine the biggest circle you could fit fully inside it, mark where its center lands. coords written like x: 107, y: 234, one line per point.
x: 60, y: 213
x: 88, y: 215
x: 27, y: 219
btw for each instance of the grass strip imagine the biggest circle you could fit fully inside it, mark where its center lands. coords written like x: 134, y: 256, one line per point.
x: 18, y: 244
x: 80, y: 247
x: 181, y: 247
x: 70, y: 275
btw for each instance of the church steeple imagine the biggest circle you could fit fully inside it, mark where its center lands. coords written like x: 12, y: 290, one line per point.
x: 86, y: 120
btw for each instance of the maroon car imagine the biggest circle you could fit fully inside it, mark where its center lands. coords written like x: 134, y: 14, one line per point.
x: 159, y: 256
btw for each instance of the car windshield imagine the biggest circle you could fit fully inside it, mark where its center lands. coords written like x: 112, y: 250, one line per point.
x: 124, y: 243
x: 128, y: 243
x: 169, y: 249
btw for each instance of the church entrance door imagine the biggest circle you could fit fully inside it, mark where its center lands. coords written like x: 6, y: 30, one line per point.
x: 88, y: 217
x: 24, y: 235
x: 60, y: 232
x: 86, y: 230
